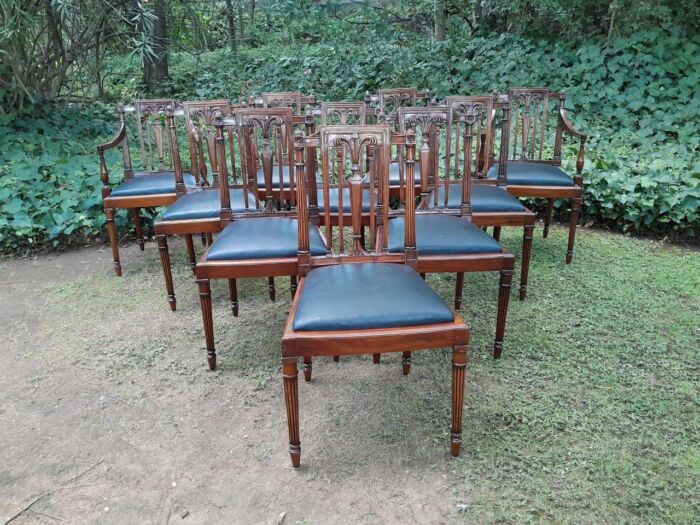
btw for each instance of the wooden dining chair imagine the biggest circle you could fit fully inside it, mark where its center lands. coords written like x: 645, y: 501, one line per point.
x: 198, y: 211
x: 533, y: 168
x: 153, y: 183
x: 354, y: 300
x: 491, y: 205
x: 446, y: 238
x: 262, y: 244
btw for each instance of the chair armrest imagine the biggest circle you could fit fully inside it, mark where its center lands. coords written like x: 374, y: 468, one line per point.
x: 568, y: 127
x: 116, y: 140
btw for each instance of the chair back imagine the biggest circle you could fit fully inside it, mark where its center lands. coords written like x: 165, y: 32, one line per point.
x: 343, y: 151
x: 149, y: 119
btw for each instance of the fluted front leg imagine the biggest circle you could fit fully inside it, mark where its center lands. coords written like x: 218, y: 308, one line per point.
x: 406, y: 363
x: 291, y: 399
x: 191, y: 255
x: 503, y: 299
x: 136, y: 217
x: 207, y: 320
x: 307, y: 369
x: 459, y: 287
x: 271, y: 287
x: 548, y: 217
x: 167, y: 270
x: 113, y: 240
x: 525, y: 261
x: 575, y: 207
x: 233, y: 292
x: 459, y: 366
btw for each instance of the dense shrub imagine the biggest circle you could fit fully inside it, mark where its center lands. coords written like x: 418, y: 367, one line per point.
x: 637, y: 97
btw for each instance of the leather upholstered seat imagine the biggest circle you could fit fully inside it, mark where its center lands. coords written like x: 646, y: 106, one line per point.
x: 151, y: 184
x: 367, y: 295
x: 442, y: 235
x: 484, y: 198
x: 263, y: 238
x: 206, y: 204
x: 532, y: 174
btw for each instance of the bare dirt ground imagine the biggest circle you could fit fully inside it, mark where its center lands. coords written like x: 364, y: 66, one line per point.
x: 108, y: 414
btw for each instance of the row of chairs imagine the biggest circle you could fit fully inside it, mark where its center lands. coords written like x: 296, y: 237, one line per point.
x: 358, y: 200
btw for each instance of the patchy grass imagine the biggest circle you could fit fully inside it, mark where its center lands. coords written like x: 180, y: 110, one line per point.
x: 591, y: 416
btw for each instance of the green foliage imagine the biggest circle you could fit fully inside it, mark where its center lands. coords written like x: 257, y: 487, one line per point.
x: 636, y: 97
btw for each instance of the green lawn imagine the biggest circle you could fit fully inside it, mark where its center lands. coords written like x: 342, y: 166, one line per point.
x: 591, y: 416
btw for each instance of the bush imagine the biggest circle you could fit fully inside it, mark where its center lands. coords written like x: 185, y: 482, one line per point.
x: 636, y: 97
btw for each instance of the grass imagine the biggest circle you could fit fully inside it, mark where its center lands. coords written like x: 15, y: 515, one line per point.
x: 591, y: 416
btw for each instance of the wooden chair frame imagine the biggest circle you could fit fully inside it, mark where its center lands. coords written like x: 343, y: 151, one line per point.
x: 141, y: 108
x: 307, y: 345
x: 526, y: 119
x: 269, y: 121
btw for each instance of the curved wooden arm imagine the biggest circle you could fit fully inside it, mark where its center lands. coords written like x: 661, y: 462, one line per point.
x: 116, y: 141
x: 568, y: 127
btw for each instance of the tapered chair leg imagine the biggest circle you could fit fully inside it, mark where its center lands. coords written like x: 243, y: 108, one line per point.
x: 210, y: 238
x: 204, y: 239
x: 167, y: 270
x: 459, y: 365
x: 525, y: 260
x: 136, y: 217
x: 113, y: 240
x: 575, y: 207
x: 422, y: 276
x: 208, y: 320
x: 406, y: 363
x: 336, y: 358
x: 191, y: 255
x: 293, y: 285
x: 271, y: 287
x: 459, y: 286
x: 291, y: 401
x: 497, y: 233
x: 503, y: 299
x: 307, y: 369
x: 233, y: 293
x: 376, y: 358
x: 548, y: 217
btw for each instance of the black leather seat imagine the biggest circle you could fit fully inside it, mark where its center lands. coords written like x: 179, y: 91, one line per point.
x: 151, y: 184
x: 367, y: 295
x: 532, y: 174
x: 263, y: 238
x: 485, y: 198
x: 206, y: 204
x: 442, y: 235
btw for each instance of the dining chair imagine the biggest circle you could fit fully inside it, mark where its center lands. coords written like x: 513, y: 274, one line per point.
x: 354, y: 300
x: 260, y: 244
x: 533, y: 168
x: 153, y: 183
x: 198, y: 211
x: 491, y: 205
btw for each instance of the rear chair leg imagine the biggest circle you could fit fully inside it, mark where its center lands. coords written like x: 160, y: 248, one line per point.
x: 548, y: 217
x: 291, y: 400
x: 459, y: 365
x: 293, y: 285
x: 167, y: 271
x: 271, y: 287
x: 406, y: 363
x: 575, y: 207
x: 208, y: 320
x: 307, y: 369
x: 134, y: 212
x: 503, y: 298
x: 497, y: 233
x: 525, y: 261
x: 459, y: 286
x: 192, y: 256
x: 113, y: 240
x: 210, y: 239
x: 336, y: 358
x: 233, y: 292
x: 204, y: 239
x: 376, y: 358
